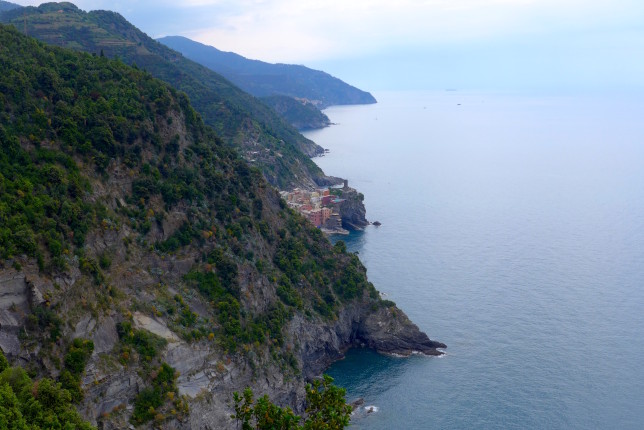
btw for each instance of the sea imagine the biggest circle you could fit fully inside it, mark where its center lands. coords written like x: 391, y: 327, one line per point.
x: 512, y: 231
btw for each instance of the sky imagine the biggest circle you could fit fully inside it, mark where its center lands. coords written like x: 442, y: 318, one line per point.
x: 417, y: 44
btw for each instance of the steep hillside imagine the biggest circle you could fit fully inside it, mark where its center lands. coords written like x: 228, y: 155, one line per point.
x: 146, y: 267
x: 5, y: 5
x: 265, y: 79
x: 299, y: 113
x: 266, y: 140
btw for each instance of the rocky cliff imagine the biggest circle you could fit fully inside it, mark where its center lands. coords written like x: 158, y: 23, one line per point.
x: 352, y: 209
x: 128, y: 223
x: 301, y: 114
x: 207, y: 373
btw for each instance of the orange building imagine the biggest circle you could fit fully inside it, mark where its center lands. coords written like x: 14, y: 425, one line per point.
x: 319, y: 216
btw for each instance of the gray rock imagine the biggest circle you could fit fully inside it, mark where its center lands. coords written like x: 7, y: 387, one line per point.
x: 35, y: 294
x: 116, y: 389
x: 389, y: 331
x: 386, y: 330
x: 105, y: 336
x: 14, y: 306
x: 352, y: 210
x: 154, y: 326
x: 9, y: 321
x: 9, y: 344
x: 13, y: 290
x: 84, y: 327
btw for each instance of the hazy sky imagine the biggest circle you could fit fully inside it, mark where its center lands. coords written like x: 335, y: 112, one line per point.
x: 394, y: 44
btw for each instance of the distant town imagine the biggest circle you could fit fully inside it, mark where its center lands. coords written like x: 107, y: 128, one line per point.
x: 321, y: 207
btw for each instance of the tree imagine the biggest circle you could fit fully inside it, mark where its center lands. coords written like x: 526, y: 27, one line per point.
x: 327, y: 407
x: 27, y: 404
x: 326, y: 410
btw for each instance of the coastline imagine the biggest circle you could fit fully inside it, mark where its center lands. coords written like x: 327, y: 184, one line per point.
x: 333, y: 210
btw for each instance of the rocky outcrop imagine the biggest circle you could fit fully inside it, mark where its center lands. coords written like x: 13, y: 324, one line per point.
x: 14, y: 306
x: 300, y: 113
x: 352, y: 209
x: 387, y: 330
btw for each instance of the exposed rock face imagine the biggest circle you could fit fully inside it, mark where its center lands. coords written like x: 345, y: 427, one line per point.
x: 154, y: 326
x: 207, y: 375
x: 245, y: 292
x: 390, y: 331
x: 386, y: 330
x: 300, y: 113
x: 14, y: 304
x: 327, y: 181
x: 352, y: 210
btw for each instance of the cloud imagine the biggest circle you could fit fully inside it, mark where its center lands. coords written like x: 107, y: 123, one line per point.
x: 302, y: 30
x: 452, y: 37
x: 286, y: 30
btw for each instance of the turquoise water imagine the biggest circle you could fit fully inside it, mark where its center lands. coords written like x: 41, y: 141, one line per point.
x: 513, y: 231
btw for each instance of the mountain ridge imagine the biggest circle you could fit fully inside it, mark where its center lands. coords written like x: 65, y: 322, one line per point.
x: 5, y: 5
x: 264, y: 79
x: 265, y: 139
x: 301, y: 114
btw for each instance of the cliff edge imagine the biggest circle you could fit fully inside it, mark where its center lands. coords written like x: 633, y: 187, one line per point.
x: 352, y: 209
x: 147, y: 267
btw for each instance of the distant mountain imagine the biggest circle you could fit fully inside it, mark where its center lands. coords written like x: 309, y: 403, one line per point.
x: 264, y: 79
x: 266, y: 140
x: 5, y: 5
x: 299, y: 113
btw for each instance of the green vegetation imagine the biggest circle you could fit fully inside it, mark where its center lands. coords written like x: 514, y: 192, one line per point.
x: 158, y: 401
x: 146, y: 344
x: 234, y: 327
x: 40, y: 404
x: 239, y: 118
x: 75, y: 360
x: 154, y: 402
x: 5, y: 5
x: 299, y: 114
x: 107, y: 171
x: 62, y: 110
x: 41, y: 191
x: 326, y: 409
x: 59, y: 107
x: 265, y: 79
x: 45, y: 323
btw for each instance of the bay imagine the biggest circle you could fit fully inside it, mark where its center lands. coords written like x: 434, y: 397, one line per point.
x: 513, y: 231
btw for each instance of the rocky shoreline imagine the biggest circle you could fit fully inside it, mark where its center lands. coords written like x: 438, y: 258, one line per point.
x: 154, y: 287
x: 208, y: 376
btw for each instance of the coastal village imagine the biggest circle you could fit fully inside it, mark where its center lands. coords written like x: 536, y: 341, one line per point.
x: 321, y: 207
